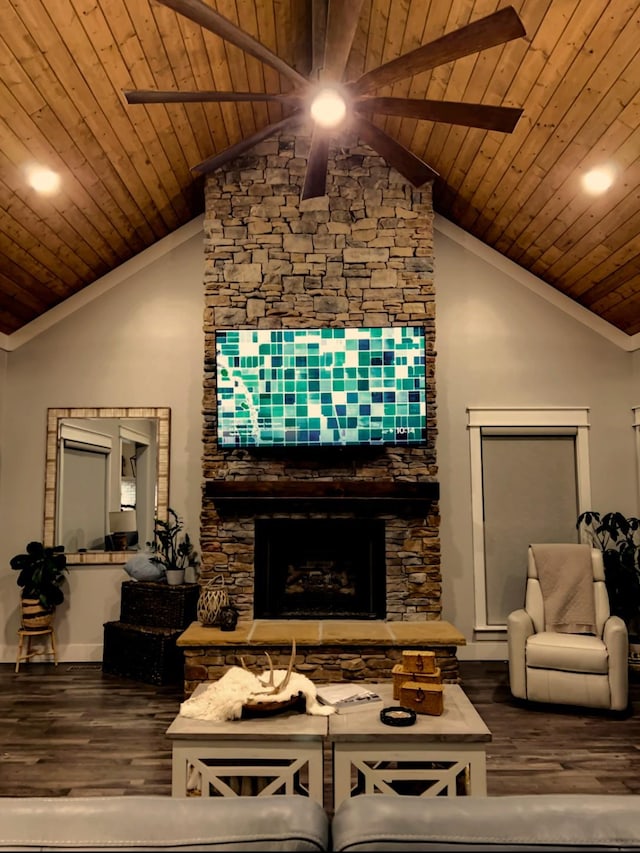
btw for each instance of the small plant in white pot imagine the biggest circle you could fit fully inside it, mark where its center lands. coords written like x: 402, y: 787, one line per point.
x: 171, y: 550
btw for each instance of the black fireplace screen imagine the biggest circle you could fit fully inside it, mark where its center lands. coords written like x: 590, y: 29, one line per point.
x: 319, y: 568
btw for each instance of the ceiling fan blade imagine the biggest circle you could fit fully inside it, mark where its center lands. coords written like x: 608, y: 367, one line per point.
x: 318, y: 35
x: 503, y: 119
x: 403, y: 160
x: 342, y: 20
x: 497, y: 28
x: 213, y: 163
x: 315, y: 179
x: 150, y: 96
x: 209, y: 19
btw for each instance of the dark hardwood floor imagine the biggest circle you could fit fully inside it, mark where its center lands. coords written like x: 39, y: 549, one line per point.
x: 553, y: 749
x: 70, y: 730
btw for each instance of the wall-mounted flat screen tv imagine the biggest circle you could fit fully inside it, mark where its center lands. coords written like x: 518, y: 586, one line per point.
x: 321, y: 387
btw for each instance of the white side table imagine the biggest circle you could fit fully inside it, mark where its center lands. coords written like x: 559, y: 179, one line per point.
x: 437, y: 756
x: 280, y: 754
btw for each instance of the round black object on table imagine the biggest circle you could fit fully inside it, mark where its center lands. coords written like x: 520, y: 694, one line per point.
x: 397, y: 715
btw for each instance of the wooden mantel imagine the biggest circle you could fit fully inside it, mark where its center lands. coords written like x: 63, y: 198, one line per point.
x: 337, y: 495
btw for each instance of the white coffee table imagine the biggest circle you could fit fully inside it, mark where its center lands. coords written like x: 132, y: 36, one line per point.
x: 437, y: 756
x: 254, y: 757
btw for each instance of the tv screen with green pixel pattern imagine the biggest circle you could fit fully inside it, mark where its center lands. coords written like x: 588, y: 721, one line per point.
x: 321, y: 387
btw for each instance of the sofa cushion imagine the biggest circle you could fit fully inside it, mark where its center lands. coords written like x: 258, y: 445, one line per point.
x: 567, y: 652
x: 535, y: 823
x: 163, y: 823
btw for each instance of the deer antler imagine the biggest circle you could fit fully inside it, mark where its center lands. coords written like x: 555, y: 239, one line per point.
x: 270, y: 683
x: 280, y: 687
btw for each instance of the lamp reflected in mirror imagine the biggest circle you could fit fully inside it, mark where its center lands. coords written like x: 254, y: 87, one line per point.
x: 123, y: 530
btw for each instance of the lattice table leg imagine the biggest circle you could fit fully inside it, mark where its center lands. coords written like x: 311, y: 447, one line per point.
x: 258, y: 770
x: 405, y: 769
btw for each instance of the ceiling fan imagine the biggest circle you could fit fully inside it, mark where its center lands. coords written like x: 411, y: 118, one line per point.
x: 333, y: 104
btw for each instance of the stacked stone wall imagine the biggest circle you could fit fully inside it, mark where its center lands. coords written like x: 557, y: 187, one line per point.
x: 327, y: 664
x: 362, y: 255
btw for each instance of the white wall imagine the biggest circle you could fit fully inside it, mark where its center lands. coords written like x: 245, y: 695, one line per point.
x: 139, y: 344
x: 635, y: 402
x: 3, y: 394
x: 499, y: 344
x: 3, y: 426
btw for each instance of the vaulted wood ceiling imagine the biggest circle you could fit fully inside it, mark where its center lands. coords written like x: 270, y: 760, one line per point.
x: 125, y: 169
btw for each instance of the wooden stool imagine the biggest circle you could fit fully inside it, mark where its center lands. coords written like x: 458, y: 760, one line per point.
x: 27, y: 634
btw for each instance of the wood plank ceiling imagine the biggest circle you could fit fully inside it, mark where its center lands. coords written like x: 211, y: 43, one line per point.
x: 125, y: 169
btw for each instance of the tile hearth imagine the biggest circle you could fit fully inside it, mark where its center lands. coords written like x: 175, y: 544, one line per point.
x: 326, y: 650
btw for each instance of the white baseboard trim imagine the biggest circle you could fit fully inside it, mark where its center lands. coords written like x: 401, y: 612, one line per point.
x: 486, y: 650
x: 75, y: 653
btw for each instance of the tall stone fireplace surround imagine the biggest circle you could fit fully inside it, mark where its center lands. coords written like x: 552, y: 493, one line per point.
x: 362, y: 255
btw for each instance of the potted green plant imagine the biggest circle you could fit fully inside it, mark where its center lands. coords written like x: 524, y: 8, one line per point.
x: 41, y: 575
x: 170, y: 550
x: 618, y: 538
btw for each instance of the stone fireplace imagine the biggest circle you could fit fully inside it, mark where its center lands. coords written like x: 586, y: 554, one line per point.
x: 362, y: 255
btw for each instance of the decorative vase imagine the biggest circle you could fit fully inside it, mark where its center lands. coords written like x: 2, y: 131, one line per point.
x: 191, y: 574
x: 228, y: 618
x: 212, y: 599
x: 175, y: 577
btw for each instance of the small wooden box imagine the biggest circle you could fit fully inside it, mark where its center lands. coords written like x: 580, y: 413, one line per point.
x: 400, y: 675
x: 419, y: 661
x: 422, y: 698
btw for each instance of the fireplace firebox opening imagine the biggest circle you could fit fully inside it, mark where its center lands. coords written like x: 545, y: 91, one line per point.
x: 319, y: 568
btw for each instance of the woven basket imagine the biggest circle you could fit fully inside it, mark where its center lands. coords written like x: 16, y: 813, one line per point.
x: 158, y: 605
x: 422, y: 698
x: 144, y: 654
x: 400, y: 676
x: 419, y: 661
x: 35, y: 616
x: 213, y: 597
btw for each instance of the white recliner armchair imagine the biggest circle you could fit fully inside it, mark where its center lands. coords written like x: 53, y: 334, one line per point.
x: 583, y: 669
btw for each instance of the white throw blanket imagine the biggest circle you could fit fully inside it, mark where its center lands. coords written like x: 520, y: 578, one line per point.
x: 566, y: 580
x: 223, y: 699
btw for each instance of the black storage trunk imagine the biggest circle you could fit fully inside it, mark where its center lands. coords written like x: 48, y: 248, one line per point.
x: 158, y: 605
x: 144, y: 653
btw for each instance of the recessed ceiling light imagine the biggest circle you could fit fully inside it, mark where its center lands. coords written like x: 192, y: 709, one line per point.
x: 43, y: 180
x: 328, y: 108
x: 598, y: 181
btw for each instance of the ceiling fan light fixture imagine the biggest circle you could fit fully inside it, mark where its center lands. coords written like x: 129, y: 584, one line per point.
x: 331, y: 104
x: 328, y: 107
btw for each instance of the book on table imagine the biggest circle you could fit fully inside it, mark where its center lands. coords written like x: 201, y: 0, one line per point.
x: 346, y: 698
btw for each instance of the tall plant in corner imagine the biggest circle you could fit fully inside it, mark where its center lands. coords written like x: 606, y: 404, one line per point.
x: 618, y: 538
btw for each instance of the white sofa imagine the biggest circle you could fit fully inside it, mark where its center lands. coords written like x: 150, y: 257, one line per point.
x: 162, y: 823
x: 370, y: 822
x: 538, y: 823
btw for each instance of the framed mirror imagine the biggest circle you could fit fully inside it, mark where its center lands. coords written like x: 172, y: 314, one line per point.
x: 106, y: 480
